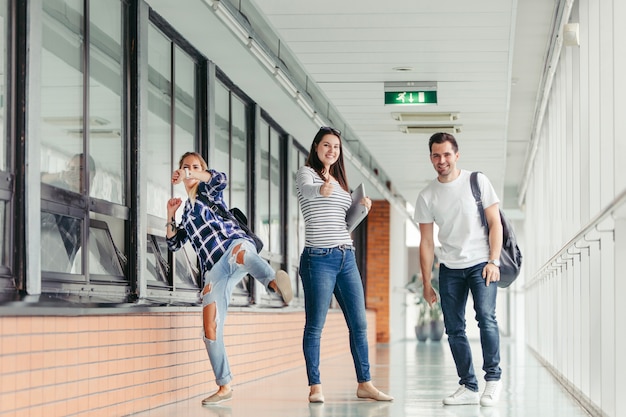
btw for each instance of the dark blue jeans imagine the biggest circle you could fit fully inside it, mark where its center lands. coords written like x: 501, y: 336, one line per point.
x: 324, y: 272
x: 454, y: 287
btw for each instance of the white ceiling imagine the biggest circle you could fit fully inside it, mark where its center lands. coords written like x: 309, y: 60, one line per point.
x: 487, y: 57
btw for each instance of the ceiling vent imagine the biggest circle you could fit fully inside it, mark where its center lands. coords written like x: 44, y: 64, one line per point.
x: 431, y: 129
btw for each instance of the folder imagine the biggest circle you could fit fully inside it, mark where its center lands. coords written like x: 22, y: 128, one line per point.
x: 357, y: 211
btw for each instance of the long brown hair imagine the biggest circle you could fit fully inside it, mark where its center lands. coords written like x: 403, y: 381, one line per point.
x: 338, y: 169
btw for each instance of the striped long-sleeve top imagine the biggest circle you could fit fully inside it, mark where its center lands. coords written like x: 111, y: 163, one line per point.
x: 324, y: 217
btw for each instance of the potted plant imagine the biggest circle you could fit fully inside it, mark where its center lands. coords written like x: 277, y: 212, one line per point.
x: 429, y: 318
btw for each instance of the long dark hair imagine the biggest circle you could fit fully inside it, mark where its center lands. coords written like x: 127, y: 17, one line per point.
x: 338, y: 169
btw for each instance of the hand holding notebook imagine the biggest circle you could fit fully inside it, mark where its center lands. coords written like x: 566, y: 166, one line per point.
x: 357, y: 211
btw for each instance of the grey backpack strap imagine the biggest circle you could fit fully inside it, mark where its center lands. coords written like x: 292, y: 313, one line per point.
x: 477, y: 197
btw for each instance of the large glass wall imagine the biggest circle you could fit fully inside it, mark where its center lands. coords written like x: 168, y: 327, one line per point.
x: 296, y: 219
x: 80, y: 89
x: 171, y: 131
x: 82, y: 138
x: 268, y: 195
x: 231, y: 155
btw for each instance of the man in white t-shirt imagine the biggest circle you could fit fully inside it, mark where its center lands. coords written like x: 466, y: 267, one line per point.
x: 469, y: 261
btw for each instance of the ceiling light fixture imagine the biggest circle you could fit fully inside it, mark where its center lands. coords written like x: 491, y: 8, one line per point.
x: 285, y: 82
x: 425, y: 117
x: 305, y: 105
x: 261, y: 55
x: 230, y: 21
x: 318, y: 120
x: 429, y: 130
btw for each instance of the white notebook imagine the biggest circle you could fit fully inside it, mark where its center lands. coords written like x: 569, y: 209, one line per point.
x: 357, y: 211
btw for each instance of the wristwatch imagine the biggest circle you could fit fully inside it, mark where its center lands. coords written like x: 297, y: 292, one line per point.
x: 496, y: 262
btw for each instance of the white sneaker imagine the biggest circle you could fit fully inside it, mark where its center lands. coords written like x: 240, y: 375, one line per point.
x: 491, y: 395
x: 462, y: 396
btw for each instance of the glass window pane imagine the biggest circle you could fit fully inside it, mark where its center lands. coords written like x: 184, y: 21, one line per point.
x: 184, y: 104
x: 263, y: 195
x: 238, y: 181
x: 61, y: 88
x: 61, y: 238
x: 274, y: 192
x: 221, y: 157
x: 4, y: 222
x: 106, y: 141
x: 157, y: 148
x: 157, y: 266
x: 104, y: 256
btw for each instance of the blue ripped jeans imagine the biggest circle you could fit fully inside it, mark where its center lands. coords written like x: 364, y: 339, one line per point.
x: 221, y: 280
x: 454, y: 287
x: 324, y: 272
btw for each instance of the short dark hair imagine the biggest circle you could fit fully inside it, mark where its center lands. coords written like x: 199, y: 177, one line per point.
x: 441, y: 137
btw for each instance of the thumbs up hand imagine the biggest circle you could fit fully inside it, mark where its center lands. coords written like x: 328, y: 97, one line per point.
x: 326, y: 189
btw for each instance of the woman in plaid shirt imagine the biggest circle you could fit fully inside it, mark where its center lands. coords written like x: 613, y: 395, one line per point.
x: 226, y: 255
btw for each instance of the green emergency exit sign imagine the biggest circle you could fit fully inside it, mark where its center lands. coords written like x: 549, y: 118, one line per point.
x: 410, y: 97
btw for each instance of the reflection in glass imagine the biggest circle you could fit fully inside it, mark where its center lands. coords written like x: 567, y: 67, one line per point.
x: 104, y: 256
x: 61, y: 84
x: 157, y: 149
x: 71, y: 178
x: 158, y: 267
x: 186, y: 271
x: 4, y: 256
x: 238, y: 182
x: 274, y: 192
x: 184, y: 104
x: 220, y: 159
x: 61, y: 238
x: 106, y: 69
x: 263, y: 197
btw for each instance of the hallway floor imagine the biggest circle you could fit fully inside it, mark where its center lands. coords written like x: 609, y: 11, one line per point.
x: 418, y: 375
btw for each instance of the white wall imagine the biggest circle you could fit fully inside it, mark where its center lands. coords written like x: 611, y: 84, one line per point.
x: 397, y: 275
x: 575, y: 264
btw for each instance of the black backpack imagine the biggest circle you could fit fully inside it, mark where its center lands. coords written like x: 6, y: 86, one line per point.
x: 510, y: 256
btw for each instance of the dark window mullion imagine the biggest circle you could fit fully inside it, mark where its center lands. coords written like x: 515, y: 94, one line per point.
x: 85, y: 158
x: 171, y: 255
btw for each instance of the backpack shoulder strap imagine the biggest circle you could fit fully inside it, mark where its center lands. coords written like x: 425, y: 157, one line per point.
x: 477, y: 197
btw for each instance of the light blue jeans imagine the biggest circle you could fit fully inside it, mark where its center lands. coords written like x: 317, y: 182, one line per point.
x: 223, y: 278
x: 324, y: 272
x: 454, y: 287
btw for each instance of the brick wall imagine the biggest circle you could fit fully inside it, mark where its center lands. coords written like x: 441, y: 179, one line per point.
x: 114, y: 365
x: 377, y: 292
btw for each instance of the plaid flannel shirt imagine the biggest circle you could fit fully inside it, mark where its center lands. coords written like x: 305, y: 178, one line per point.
x: 209, y: 234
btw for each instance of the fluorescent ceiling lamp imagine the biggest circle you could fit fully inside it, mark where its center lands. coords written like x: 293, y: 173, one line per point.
x: 305, y: 105
x: 430, y: 129
x: 286, y: 82
x: 261, y: 55
x: 424, y: 117
x: 230, y: 21
x: 318, y: 120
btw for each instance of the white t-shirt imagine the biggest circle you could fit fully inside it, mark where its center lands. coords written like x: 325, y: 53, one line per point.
x: 324, y: 217
x: 464, y: 240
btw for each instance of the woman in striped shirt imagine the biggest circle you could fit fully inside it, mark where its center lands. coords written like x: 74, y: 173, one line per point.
x: 327, y: 264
